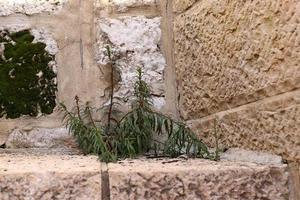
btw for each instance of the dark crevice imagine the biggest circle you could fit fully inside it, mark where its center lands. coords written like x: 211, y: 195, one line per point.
x: 105, y: 185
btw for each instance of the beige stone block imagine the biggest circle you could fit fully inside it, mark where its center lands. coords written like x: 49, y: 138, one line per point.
x: 182, y: 5
x: 196, y: 179
x: 49, y: 177
x: 230, y: 53
x: 271, y: 125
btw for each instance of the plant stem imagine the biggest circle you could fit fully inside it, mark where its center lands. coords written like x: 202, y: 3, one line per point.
x: 77, y: 107
x: 112, y: 65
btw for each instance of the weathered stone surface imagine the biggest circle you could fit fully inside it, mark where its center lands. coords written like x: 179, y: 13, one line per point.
x: 40, y: 138
x: 182, y: 5
x: 136, y: 40
x: 29, y: 7
x: 49, y: 177
x: 196, y: 179
x: 230, y: 53
x: 270, y: 125
x: 294, y: 170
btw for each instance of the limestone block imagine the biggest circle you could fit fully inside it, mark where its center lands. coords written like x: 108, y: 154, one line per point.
x: 136, y: 41
x: 30, y: 7
x: 49, y: 177
x: 230, y: 53
x: 196, y: 179
x: 270, y: 125
x: 40, y: 138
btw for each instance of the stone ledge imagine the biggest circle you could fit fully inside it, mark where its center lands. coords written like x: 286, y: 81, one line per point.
x: 49, y: 177
x: 196, y: 179
x: 81, y: 177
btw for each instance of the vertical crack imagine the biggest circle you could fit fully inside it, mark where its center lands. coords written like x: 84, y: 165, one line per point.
x: 80, y: 35
x: 105, y: 186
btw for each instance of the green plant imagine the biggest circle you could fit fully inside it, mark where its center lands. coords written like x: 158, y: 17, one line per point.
x: 133, y: 133
x: 27, y: 83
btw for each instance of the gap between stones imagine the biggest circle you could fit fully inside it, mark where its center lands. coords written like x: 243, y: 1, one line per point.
x: 105, y: 186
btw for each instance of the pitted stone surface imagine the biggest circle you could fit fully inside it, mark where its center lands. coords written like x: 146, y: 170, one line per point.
x: 182, y: 5
x: 230, y: 53
x: 136, y: 40
x: 270, y: 125
x: 40, y: 138
x: 49, y: 177
x: 30, y: 7
x: 196, y: 179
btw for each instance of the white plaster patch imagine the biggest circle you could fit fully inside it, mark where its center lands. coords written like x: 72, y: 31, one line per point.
x: 123, y: 5
x: 137, y: 40
x: 30, y: 7
x: 40, y: 35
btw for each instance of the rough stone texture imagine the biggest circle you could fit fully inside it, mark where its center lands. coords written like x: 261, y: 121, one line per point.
x: 271, y: 125
x: 294, y: 170
x: 182, y: 5
x: 230, y: 53
x: 49, y: 177
x: 29, y: 7
x: 196, y: 179
x: 40, y: 138
x: 136, y: 40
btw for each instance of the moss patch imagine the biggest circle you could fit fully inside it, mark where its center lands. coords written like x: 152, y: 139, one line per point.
x: 27, y: 82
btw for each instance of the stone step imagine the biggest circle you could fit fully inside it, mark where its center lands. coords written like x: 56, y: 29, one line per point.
x: 43, y: 177
x: 40, y: 176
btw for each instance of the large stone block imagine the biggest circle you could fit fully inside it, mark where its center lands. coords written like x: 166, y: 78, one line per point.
x: 49, y: 177
x: 196, y: 179
x: 230, y: 53
x: 271, y: 125
x: 136, y: 41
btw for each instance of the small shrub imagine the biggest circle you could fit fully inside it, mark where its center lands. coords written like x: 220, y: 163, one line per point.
x: 27, y: 83
x: 133, y: 133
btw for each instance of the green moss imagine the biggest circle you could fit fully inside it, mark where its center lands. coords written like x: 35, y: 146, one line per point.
x: 22, y: 91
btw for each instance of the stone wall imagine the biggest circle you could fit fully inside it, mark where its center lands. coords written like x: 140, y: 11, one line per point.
x: 67, y: 29
x: 239, y: 61
x: 77, y: 33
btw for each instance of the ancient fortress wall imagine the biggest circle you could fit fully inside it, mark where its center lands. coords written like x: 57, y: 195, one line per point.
x: 239, y: 61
